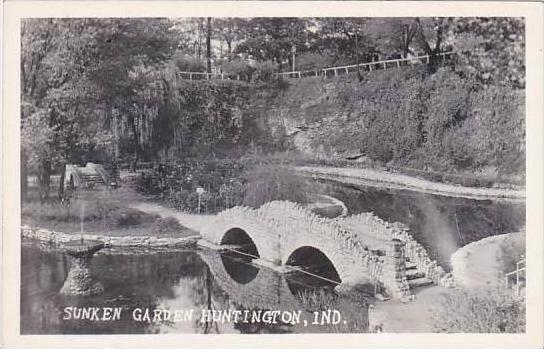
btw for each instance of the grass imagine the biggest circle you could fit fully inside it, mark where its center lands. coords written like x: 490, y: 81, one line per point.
x: 101, y: 213
x: 494, y: 312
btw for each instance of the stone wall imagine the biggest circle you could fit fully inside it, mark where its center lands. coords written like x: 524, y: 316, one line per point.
x: 54, y: 237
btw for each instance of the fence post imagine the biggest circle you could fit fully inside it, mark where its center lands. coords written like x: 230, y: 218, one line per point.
x: 335, y: 72
x: 299, y: 75
x: 190, y: 76
x: 398, y: 64
x: 347, y: 70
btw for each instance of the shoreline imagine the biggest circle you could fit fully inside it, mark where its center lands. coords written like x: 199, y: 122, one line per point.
x: 383, y: 179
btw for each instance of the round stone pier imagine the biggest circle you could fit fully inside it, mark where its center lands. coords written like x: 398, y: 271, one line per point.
x: 80, y: 281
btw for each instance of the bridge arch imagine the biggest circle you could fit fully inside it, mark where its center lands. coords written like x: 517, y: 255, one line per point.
x: 237, y: 236
x: 313, y: 260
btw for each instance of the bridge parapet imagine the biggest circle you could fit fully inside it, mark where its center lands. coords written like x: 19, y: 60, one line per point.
x: 369, y: 224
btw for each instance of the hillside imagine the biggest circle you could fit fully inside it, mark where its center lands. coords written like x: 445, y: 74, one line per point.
x: 400, y: 117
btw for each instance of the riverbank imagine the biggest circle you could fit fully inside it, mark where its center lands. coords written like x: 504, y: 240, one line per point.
x: 383, y: 179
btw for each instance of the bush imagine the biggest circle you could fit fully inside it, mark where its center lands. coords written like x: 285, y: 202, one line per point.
x: 268, y: 183
x: 236, y: 67
x: 511, y: 251
x: 310, y: 61
x: 166, y: 226
x: 495, y: 312
x: 264, y: 71
x: 191, y: 64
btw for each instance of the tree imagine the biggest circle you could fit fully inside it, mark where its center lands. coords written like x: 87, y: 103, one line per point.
x: 209, y: 44
x: 490, y: 50
x: 74, y: 73
x: 272, y: 38
x: 430, y: 37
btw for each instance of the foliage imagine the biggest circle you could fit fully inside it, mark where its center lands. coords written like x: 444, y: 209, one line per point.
x: 166, y: 226
x: 264, y: 71
x: 177, y: 184
x: 494, y: 312
x: 511, y: 251
x: 490, y: 49
x: 237, y: 67
x: 268, y: 183
x: 188, y: 63
x: 312, y: 60
x: 438, y: 122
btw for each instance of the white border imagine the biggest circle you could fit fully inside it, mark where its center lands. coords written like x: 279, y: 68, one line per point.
x: 13, y: 11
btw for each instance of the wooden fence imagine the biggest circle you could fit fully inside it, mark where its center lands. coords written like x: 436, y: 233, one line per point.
x: 326, y: 72
x: 516, y: 279
x: 368, y: 66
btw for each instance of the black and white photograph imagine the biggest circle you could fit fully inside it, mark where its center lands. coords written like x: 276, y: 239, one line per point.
x: 272, y: 175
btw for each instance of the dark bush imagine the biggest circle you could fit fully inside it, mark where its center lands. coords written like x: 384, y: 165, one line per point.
x: 268, y: 183
x: 189, y: 64
x: 166, y: 226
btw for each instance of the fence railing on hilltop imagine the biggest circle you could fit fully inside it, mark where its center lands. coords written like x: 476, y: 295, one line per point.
x: 325, y: 72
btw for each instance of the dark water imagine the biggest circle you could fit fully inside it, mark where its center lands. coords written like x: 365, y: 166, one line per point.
x: 442, y: 224
x: 183, y: 280
x: 202, y: 281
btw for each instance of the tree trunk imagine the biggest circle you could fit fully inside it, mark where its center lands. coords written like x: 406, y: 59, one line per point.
x: 44, y: 177
x: 136, y: 144
x: 229, y: 50
x: 61, y: 184
x: 209, y: 44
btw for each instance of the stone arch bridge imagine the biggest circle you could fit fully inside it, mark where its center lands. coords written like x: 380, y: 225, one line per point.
x: 362, y: 248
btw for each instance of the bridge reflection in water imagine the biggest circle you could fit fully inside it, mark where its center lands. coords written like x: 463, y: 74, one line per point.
x: 249, y: 287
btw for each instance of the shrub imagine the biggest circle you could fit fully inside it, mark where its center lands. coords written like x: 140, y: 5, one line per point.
x: 191, y: 64
x: 495, y: 312
x: 310, y: 61
x: 511, y: 251
x: 268, y: 183
x: 166, y: 226
x: 237, y: 67
x: 264, y: 71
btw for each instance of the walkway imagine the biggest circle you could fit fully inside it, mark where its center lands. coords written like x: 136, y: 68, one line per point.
x: 376, y: 178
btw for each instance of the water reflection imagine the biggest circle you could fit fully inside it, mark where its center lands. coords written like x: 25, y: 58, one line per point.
x: 184, y: 280
x: 441, y: 224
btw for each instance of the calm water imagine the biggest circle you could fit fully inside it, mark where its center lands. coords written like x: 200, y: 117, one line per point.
x: 442, y: 224
x: 183, y: 280
x: 205, y: 280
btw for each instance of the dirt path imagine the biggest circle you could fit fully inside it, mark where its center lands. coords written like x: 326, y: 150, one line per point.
x: 375, y: 178
x: 194, y: 222
x: 417, y: 316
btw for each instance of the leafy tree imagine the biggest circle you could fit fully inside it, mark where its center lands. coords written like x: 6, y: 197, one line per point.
x: 490, y: 50
x: 272, y: 38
